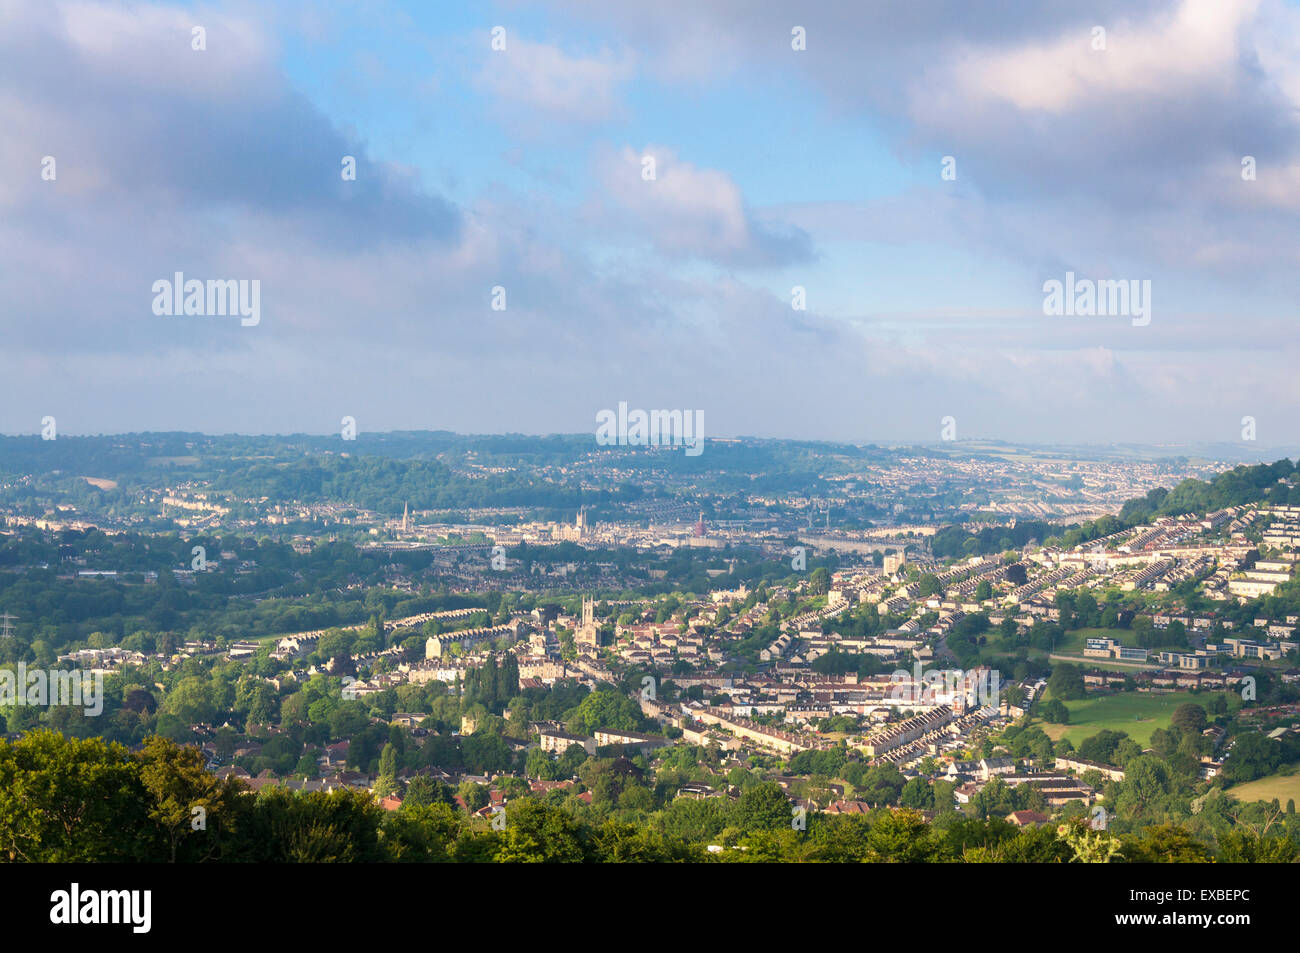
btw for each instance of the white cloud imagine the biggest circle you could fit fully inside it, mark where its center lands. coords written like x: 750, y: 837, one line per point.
x: 685, y: 211
x: 1196, y: 46
x: 538, y: 79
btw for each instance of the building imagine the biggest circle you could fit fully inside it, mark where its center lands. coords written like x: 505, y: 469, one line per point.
x: 1113, y: 649
x: 588, y: 633
x: 1080, y: 765
x: 1027, y: 818
x: 558, y: 742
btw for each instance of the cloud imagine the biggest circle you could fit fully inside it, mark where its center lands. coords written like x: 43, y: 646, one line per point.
x: 1183, y: 51
x: 686, y: 212
x: 537, y: 83
x: 376, y: 292
x: 141, y: 124
x: 1150, y: 131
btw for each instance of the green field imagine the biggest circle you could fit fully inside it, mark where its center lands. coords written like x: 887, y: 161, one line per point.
x: 1138, y: 714
x: 1282, y: 787
x: 1074, y: 641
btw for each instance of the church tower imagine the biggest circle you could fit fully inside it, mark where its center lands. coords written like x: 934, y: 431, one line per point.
x: 588, y: 632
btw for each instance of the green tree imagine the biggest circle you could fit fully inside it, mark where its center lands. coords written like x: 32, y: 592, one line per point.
x: 72, y: 801
x: 1066, y: 682
x: 189, y: 805
x: 762, y: 807
x: 536, y: 833
x: 901, y: 836
x: 1189, y: 717
x: 386, y: 782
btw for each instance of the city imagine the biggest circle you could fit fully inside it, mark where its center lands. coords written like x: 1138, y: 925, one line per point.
x: 669, y: 674
x: 714, y: 432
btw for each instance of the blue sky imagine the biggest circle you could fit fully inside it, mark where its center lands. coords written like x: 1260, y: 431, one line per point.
x: 521, y: 168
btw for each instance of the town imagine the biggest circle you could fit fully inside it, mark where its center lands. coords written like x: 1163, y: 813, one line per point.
x: 1008, y: 668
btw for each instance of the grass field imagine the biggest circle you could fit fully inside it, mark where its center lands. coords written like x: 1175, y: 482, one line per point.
x: 1132, y: 712
x: 1278, y: 786
x: 1074, y: 641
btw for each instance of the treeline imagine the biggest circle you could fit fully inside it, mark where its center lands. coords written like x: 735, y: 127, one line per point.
x: 955, y: 542
x: 67, y: 801
x: 1241, y: 485
x: 383, y: 471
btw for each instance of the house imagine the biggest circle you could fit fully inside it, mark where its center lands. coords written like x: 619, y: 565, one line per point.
x: 992, y: 767
x: 557, y: 742
x: 1027, y: 818
x: 1081, y: 765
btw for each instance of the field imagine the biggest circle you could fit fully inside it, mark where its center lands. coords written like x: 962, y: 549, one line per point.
x: 1278, y: 786
x: 1070, y: 649
x: 1138, y: 714
x: 1074, y: 641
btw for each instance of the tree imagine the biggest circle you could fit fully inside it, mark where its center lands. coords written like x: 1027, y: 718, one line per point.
x: 1165, y: 844
x: 540, y: 765
x: 386, y: 783
x: 819, y: 582
x: 473, y: 794
x: 188, y: 804
x: 190, y: 702
x: 1177, y: 634
x: 1144, y: 630
x: 422, y: 790
x: 340, y: 826
x: 421, y: 833
x: 1056, y: 712
x: 1066, y: 682
x: 902, y: 837
x: 1146, y: 785
x: 928, y: 585
x: 72, y: 801
x: 917, y: 793
x: 536, y: 833
x: 1189, y: 718
x: 573, y: 758
x: 1247, y: 847
x: 1252, y: 756
x: 1102, y: 746
x: 762, y: 807
x: 139, y: 700
x: 631, y: 844
x: 605, y: 708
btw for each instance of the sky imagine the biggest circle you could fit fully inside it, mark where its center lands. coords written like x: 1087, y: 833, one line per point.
x: 920, y: 170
